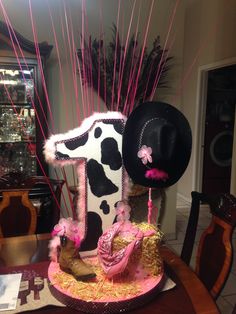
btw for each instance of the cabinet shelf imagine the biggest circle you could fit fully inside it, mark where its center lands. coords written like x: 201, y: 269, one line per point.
x: 21, y: 141
x: 17, y: 105
x: 19, y: 127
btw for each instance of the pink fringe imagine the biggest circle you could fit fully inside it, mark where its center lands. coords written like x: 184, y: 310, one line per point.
x: 150, y: 207
x: 156, y: 174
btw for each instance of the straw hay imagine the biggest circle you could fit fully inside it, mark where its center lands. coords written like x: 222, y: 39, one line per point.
x: 147, y: 254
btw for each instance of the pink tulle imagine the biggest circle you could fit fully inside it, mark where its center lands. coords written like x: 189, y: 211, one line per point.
x: 54, y: 233
x: 156, y: 174
x: 152, y: 213
x: 69, y: 228
x: 123, y: 211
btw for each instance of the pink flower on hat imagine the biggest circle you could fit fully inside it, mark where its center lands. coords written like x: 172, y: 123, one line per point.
x: 145, y: 154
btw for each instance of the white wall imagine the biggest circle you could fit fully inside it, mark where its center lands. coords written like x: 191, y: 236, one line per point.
x: 209, y: 37
x: 19, y: 14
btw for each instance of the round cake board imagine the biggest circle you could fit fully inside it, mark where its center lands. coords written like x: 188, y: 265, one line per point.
x: 103, y: 295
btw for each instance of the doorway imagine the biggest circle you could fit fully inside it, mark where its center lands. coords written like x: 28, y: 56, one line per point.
x: 219, y: 130
x: 217, y: 114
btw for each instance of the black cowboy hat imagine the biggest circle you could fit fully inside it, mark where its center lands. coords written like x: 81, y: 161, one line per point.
x: 165, y: 130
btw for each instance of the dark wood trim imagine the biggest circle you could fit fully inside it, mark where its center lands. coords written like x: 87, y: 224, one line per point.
x: 24, y: 195
x: 200, y: 297
x: 45, y: 189
x: 214, y: 255
x: 226, y: 251
x: 27, y: 45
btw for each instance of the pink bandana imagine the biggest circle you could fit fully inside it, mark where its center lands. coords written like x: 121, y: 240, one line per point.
x: 115, y: 263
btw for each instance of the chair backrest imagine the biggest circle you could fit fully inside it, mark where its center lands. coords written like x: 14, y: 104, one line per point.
x: 49, y: 192
x: 18, y: 215
x: 214, y: 254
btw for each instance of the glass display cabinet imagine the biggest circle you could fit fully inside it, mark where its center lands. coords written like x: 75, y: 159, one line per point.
x: 22, y: 105
x: 23, y: 125
x: 17, y: 121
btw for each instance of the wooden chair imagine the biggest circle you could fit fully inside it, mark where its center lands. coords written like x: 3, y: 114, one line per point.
x: 214, y: 255
x: 18, y: 215
x: 49, y: 192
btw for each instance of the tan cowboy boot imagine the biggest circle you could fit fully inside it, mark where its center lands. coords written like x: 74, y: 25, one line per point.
x: 71, y: 262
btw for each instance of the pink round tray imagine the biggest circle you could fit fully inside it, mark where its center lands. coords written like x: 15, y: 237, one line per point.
x: 148, y: 286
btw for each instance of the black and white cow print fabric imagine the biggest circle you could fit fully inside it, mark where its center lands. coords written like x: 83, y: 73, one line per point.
x: 95, y: 148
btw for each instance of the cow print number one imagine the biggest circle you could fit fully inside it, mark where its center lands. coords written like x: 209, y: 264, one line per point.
x: 95, y: 148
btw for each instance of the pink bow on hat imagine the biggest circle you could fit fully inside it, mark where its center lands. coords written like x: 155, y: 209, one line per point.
x: 145, y: 154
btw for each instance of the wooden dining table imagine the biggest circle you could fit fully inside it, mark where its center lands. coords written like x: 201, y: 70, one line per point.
x: 189, y: 295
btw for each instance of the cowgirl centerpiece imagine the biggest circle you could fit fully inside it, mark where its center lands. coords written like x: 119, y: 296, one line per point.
x: 156, y: 148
